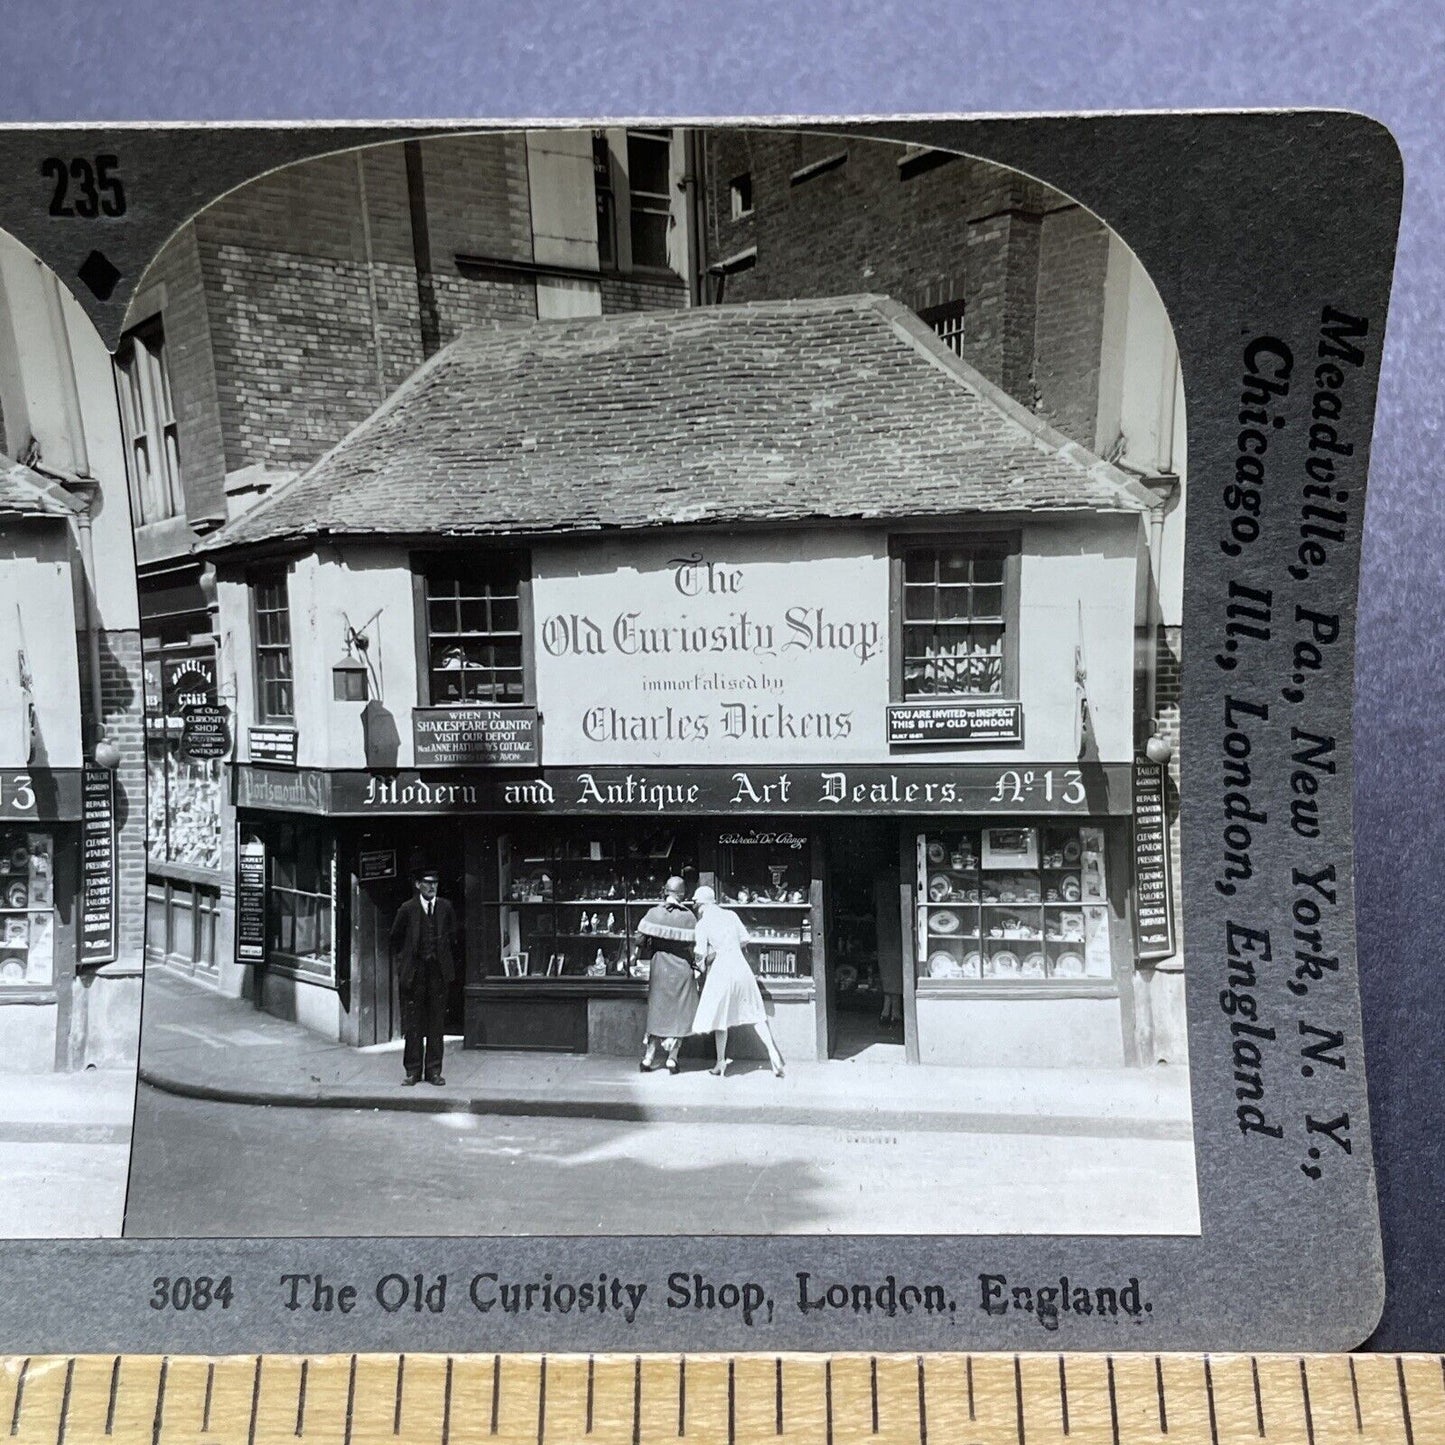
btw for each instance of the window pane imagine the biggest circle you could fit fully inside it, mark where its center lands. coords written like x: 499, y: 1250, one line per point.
x: 918, y: 565
x: 953, y: 603
x: 988, y: 602
x: 647, y: 164
x: 505, y: 615
x: 988, y: 569
x: 953, y: 565
x: 918, y: 603
x: 473, y: 617
x: 649, y: 238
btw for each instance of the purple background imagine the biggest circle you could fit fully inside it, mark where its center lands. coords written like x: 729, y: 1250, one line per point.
x: 378, y: 59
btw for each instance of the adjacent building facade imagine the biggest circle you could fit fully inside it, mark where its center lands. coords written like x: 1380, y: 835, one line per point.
x: 785, y: 598
x: 72, y: 779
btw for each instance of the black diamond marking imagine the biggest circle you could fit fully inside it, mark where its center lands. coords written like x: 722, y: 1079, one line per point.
x: 100, y: 275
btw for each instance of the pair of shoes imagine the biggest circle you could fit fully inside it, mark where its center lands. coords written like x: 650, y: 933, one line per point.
x: 410, y: 1080
x: 646, y: 1066
x: 720, y: 1068
x: 435, y: 1079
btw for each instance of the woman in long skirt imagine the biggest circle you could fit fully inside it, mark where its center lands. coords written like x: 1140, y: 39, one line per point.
x: 664, y: 938
x: 730, y: 994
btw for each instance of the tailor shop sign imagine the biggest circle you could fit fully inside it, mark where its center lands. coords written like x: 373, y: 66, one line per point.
x: 745, y: 650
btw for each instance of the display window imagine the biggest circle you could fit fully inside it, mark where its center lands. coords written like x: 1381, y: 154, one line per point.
x: 183, y: 805
x: 573, y: 895
x: 765, y: 877
x: 1017, y: 902
x: 301, y: 901
x: 27, y: 909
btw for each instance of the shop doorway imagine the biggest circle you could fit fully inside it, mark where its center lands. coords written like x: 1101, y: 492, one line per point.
x: 390, y: 857
x: 864, y: 942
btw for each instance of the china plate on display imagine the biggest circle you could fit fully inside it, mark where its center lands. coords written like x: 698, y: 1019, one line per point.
x: 17, y: 895
x: 1072, y: 851
x: 12, y: 971
x: 937, y: 853
x: 943, y: 921
x: 1033, y: 965
x: 1070, y: 889
x: 972, y: 964
x: 1069, y: 965
x: 940, y: 889
x: 20, y: 857
x: 944, y: 965
x: 1005, y: 964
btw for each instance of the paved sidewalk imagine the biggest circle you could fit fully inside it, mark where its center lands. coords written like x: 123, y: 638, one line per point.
x: 197, y: 1044
x: 64, y: 1153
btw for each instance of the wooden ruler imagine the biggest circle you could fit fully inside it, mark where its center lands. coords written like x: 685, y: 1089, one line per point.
x: 947, y: 1399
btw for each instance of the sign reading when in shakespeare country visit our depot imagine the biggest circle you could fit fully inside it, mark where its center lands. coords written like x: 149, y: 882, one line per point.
x: 451, y: 737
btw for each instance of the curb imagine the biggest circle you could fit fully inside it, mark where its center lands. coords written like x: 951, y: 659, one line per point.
x: 548, y: 1106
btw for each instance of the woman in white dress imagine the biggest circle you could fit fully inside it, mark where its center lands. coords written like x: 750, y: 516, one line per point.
x: 730, y: 995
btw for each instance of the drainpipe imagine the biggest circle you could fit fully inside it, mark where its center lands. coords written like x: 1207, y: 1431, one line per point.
x: 78, y: 481
x: 1166, y: 494
x: 692, y: 169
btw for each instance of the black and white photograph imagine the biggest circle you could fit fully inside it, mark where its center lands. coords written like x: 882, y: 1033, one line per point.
x: 72, y: 765
x: 661, y: 681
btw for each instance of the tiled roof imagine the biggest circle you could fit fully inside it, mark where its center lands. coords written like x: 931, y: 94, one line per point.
x: 847, y: 407
x: 24, y: 492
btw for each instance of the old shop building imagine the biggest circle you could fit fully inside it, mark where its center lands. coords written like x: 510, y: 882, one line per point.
x: 786, y: 598
x: 278, y: 319
x: 72, y: 782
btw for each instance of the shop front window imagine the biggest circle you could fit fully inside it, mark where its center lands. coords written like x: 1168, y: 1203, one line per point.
x: 571, y: 898
x: 765, y: 877
x: 1022, y: 903
x: 27, y: 909
x: 301, y: 901
x: 474, y: 624
x: 956, y: 603
x: 183, y: 795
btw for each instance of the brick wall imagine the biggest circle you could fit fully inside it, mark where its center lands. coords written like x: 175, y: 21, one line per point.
x: 622, y: 293
x: 964, y: 229
x: 1069, y: 328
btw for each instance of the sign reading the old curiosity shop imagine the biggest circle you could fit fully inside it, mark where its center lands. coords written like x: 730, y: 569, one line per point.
x: 451, y: 737
x: 204, y: 734
x: 946, y: 724
x: 766, y: 649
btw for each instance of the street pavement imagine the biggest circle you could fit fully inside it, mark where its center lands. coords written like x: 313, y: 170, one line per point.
x: 247, y: 1124
x: 64, y: 1151
x: 213, y: 1169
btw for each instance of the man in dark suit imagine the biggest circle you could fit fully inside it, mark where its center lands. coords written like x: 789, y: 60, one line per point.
x: 424, y: 947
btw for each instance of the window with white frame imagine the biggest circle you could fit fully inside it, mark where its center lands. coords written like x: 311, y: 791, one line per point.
x: 148, y: 422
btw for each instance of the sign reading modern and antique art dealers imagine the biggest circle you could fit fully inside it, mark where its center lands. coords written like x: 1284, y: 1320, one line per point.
x: 744, y: 650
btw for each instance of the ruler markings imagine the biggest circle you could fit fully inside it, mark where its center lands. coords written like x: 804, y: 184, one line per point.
x: 1063, y: 1395
x: 65, y: 1402
x: 1209, y: 1394
x: 732, y: 1402
x: 1019, y: 1398
x: 19, y: 1396
x: 1159, y: 1390
x: 591, y: 1380
x: 300, y: 1400
x: 778, y: 1395
x: 541, y: 1400
x: 255, y: 1402
x: 447, y: 1406
x: 497, y: 1393
x: 159, y: 1416
x: 682, y: 1396
x: 1113, y: 1403
x: 873, y: 1388
x: 1304, y: 1384
x: 922, y: 1404
x: 828, y: 1400
x: 114, y: 1388
x: 1355, y: 1395
x: 637, y: 1400
x: 1258, y: 1398
x: 400, y: 1381
x: 968, y: 1370
x: 350, y: 1401
x: 1405, y: 1402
